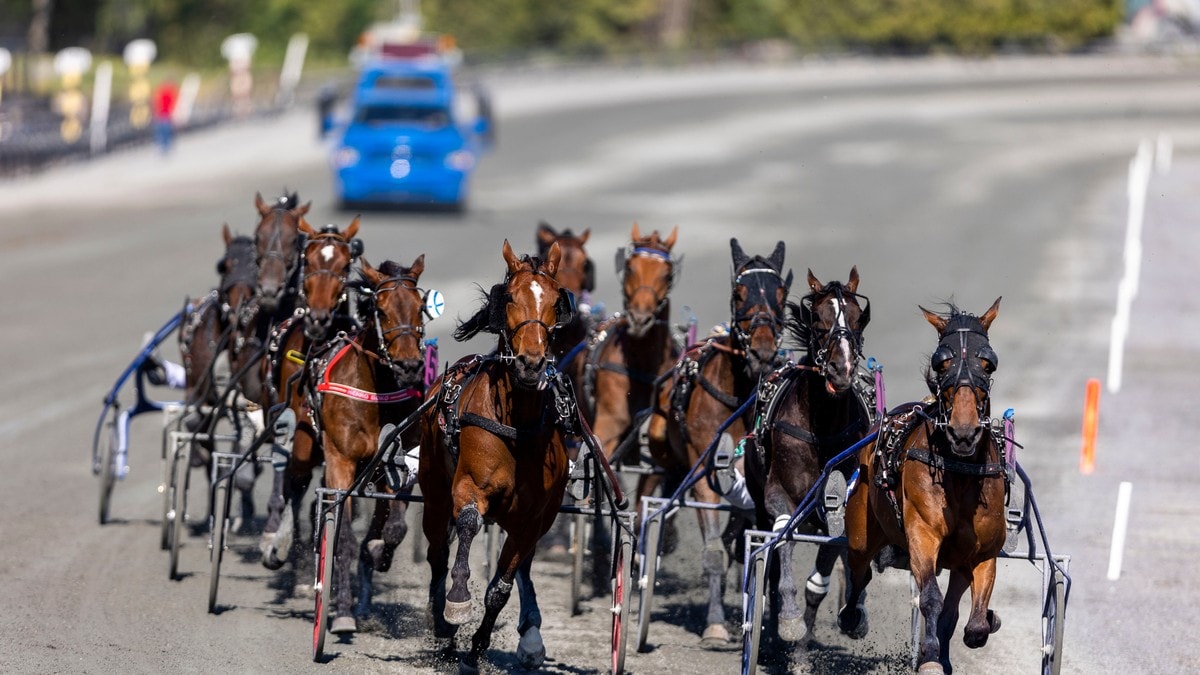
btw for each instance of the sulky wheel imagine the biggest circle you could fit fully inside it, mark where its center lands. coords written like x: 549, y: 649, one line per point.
x: 647, y: 570
x: 752, y: 622
x: 578, y: 532
x: 218, y: 529
x: 1053, y: 620
x: 178, y: 490
x: 622, y: 586
x: 323, y: 584
x: 108, y: 465
x: 174, y: 423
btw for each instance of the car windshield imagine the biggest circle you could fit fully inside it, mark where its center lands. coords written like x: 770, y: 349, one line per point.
x: 390, y: 114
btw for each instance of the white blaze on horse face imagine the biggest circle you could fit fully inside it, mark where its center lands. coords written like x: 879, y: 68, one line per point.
x: 844, y: 341
x: 537, y: 295
x: 327, y: 252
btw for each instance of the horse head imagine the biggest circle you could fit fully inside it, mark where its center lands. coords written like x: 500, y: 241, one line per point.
x: 960, y: 374
x: 576, y: 271
x: 398, y: 314
x: 757, y: 305
x: 277, y: 238
x: 238, y: 270
x: 647, y: 271
x: 829, y: 322
x: 524, y: 310
x: 327, y: 258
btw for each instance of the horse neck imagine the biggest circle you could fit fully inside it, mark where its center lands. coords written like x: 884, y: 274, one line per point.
x: 518, y: 406
x: 654, y: 348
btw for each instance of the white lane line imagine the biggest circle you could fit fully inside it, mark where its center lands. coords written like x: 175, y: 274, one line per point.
x: 1119, y: 528
x: 1139, y: 183
x: 1162, y: 154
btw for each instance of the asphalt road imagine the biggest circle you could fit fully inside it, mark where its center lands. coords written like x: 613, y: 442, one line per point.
x: 938, y: 179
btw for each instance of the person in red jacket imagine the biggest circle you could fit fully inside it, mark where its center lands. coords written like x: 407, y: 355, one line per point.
x: 165, y: 97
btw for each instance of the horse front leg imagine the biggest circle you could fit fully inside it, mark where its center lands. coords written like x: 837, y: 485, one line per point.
x: 960, y: 581
x: 436, y: 525
x: 384, y: 534
x: 458, y: 600
x: 816, y: 587
x: 779, y: 505
x: 531, y: 651
x: 518, y: 547
x: 983, y: 621
x: 713, y: 561
x: 923, y: 548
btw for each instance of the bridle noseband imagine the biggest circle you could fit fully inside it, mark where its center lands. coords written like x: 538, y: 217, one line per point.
x: 820, y: 345
x: 624, y: 255
x: 752, y: 310
x: 326, y: 239
x: 387, y: 337
x: 962, y: 348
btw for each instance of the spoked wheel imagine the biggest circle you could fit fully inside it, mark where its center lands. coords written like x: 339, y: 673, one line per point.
x: 621, y: 585
x: 323, y: 585
x: 218, y: 529
x: 108, y: 465
x: 1053, y: 618
x: 578, y: 527
x: 752, y: 622
x: 174, y: 418
x: 178, y: 489
x: 647, y: 570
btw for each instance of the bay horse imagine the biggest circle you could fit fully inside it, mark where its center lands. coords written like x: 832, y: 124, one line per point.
x: 367, y: 381
x: 933, y: 489
x: 807, y: 413
x: 205, y: 340
x: 576, y: 273
x: 324, y: 311
x: 711, y: 382
x: 493, y: 447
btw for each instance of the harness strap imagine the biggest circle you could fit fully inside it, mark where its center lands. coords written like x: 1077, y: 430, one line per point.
x: 327, y: 387
x: 728, y: 400
x: 936, y: 461
x: 495, y: 428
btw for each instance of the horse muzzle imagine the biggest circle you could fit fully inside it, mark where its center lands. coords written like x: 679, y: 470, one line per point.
x: 529, y: 370
x: 964, y: 440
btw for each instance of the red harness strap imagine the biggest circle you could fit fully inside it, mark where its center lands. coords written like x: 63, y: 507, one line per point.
x: 327, y: 387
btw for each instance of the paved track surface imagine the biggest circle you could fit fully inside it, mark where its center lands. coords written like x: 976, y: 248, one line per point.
x: 938, y: 179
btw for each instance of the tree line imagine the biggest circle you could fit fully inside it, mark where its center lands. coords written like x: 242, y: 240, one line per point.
x: 191, y: 31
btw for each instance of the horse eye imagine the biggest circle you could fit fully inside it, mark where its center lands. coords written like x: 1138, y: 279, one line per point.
x: 988, y: 366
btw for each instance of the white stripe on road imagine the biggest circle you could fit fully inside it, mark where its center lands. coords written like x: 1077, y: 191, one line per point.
x: 1139, y: 182
x: 1119, y: 528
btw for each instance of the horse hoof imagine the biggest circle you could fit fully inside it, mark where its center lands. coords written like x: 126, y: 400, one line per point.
x: 343, y: 624
x: 715, y: 636
x: 993, y: 621
x: 457, y: 613
x: 931, y: 668
x: 793, y: 630
x: 375, y: 550
x: 531, y: 651
x: 270, y: 559
x: 465, y: 668
x: 856, y: 630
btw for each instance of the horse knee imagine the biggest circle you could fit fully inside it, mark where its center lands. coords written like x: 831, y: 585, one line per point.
x: 713, y: 560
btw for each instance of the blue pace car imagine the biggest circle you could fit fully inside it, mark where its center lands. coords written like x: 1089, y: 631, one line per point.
x: 403, y: 141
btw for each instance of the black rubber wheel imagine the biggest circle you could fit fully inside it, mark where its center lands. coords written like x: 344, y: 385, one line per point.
x: 217, y: 532
x: 1053, y: 620
x: 178, y: 489
x: 578, y: 530
x: 647, y: 570
x: 622, y: 584
x: 108, y: 467
x: 751, y: 637
x: 168, y: 470
x: 323, y: 586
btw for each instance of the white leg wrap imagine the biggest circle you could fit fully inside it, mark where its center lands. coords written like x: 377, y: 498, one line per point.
x: 817, y: 583
x: 412, y: 459
x: 176, y: 375
x: 781, y: 522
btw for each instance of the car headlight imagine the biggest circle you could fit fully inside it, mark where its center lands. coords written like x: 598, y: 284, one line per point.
x: 460, y: 160
x: 345, y: 157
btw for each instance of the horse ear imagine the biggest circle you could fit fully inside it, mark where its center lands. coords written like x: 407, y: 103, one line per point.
x: 635, y: 234
x: 990, y: 315
x: 225, y: 234
x: 670, y: 240
x: 263, y: 207
x: 936, y: 320
x: 584, y: 237
x: 553, y: 258
x: 776, y: 258
x: 510, y: 258
x: 739, y: 256
x: 352, y: 228
x: 373, y: 275
x: 546, y: 234
x: 852, y: 284
x: 787, y: 283
x: 303, y: 209
x: 418, y: 267
x: 305, y: 227
x: 814, y: 283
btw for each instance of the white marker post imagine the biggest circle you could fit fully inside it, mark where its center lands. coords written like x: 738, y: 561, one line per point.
x: 293, y: 65
x: 238, y: 49
x: 187, y: 101
x: 5, y: 64
x: 1120, y: 526
x: 101, y: 98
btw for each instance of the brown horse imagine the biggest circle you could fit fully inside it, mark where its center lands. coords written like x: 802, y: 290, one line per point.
x: 807, y: 413
x: 205, y: 339
x: 324, y: 270
x: 576, y: 273
x: 933, y: 487
x: 711, y: 382
x: 368, y: 381
x: 493, y: 448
